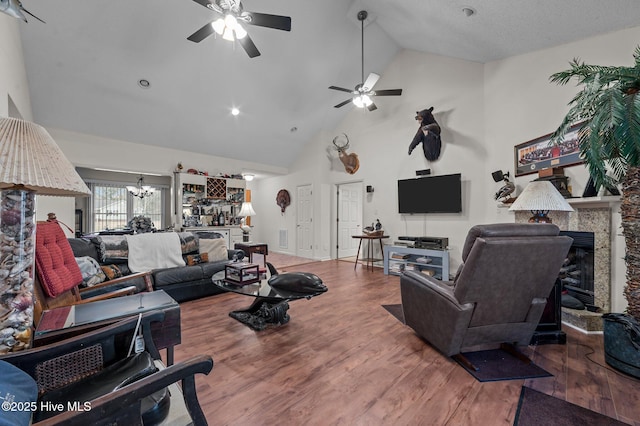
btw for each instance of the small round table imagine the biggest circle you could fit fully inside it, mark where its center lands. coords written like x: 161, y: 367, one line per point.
x: 368, y: 261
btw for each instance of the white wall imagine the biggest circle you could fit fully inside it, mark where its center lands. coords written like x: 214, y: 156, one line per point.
x: 15, y: 102
x: 93, y: 151
x: 484, y: 110
x: 381, y: 139
x: 521, y: 104
x: 14, y: 77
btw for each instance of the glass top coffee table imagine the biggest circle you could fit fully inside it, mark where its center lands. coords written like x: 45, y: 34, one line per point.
x: 271, y: 303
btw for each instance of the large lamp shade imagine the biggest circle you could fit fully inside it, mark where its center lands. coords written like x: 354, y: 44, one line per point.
x: 540, y: 197
x: 30, y: 157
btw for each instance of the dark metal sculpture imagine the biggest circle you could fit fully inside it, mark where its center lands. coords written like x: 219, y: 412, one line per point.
x: 270, y: 308
x: 429, y: 134
x: 263, y: 313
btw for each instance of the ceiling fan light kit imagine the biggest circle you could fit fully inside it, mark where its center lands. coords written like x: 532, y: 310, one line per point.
x: 363, y: 92
x: 227, y: 27
x: 230, y: 24
x: 362, y: 101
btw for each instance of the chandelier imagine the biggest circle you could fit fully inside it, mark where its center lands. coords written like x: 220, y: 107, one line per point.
x: 141, y: 190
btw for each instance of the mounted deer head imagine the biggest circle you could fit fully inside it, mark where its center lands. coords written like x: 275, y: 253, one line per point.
x: 350, y: 161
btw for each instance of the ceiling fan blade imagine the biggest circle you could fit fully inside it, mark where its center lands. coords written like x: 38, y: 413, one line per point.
x: 342, y: 89
x: 32, y: 15
x: 341, y: 104
x: 210, y: 5
x: 201, y: 34
x: 205, y: 3
x: 249, y: 46
x: 370, y: 81
x: 276, y: 22
x: 390, y: 92
x: 372, y: 107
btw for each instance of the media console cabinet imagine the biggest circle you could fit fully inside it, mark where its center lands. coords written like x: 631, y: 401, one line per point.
x: 398, y: 259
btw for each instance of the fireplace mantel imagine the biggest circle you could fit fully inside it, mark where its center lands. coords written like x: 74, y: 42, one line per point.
x: 594, y: 202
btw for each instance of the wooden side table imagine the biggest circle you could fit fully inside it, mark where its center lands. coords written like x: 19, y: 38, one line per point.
x: 369, y: 259
x: 250, y: 248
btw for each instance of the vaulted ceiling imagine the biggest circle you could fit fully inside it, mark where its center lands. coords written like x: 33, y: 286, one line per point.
x: 84, y: 64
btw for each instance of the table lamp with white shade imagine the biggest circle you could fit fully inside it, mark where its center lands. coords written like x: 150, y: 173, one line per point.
x: 540, y: 197
x: 30, y: 163
x: 246, y: 210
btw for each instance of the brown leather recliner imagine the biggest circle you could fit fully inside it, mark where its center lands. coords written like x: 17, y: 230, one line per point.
x: 498, y: 294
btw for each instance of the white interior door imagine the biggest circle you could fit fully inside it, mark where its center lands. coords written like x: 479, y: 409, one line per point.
x: 304, y: 222
x: 349, y: 218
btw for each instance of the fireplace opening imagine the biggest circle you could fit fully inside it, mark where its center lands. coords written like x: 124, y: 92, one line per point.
x: 576, y: 274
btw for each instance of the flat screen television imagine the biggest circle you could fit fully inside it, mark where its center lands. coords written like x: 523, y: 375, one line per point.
x: 430, y: 194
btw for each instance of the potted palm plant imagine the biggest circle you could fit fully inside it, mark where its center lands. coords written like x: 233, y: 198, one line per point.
x: 608, y: 106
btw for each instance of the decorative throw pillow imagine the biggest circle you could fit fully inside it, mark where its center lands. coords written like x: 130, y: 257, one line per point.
x: 91, y: 272
x: 111, y: 248
x: 215, y: 248
x: 112, y: 271
x: 194, y: 259
x: 188, y: 242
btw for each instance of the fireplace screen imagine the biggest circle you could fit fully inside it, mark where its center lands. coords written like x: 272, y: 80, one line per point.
x: 576, y: 274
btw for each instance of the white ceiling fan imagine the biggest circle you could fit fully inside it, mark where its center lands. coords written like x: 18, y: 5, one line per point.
x: 14, y: 8
x: 363, y: 92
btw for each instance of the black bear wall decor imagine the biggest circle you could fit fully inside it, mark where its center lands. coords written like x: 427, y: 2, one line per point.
x: 429, y: 134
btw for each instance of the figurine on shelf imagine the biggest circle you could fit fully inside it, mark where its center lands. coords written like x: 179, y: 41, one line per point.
x: 506, y: 190
x: 375, y: 230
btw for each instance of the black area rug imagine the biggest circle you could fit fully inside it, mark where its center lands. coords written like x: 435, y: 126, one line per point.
x: 536, y: 408
x: 396, y: 311
x: 496, y: 364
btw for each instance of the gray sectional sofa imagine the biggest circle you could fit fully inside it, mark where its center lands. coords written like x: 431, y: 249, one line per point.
x: 181, y: 282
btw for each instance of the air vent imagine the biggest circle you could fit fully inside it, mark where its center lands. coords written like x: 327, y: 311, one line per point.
x: 283, y: 239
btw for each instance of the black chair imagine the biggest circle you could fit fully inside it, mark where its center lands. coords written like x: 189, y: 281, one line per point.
x: 498, y: 294
x: 91, y: 379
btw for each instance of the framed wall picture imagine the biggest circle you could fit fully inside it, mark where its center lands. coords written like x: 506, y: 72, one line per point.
x: 538, y: 154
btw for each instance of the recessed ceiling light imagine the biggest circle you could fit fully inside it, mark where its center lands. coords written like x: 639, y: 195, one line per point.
x: 468, y: 11
x: 235, y: 111
x: 144, y: 83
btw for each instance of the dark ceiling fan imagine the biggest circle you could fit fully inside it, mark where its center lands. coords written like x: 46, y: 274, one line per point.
x: 363, y: 92
x: 229, y: 25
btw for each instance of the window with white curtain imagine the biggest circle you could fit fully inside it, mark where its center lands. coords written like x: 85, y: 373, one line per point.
x: 112, y: 206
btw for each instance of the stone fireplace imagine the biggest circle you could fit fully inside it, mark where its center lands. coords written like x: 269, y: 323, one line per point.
x: 590, y: 215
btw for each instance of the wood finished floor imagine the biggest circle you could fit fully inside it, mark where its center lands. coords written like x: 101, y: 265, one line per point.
x: 343, y: 360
